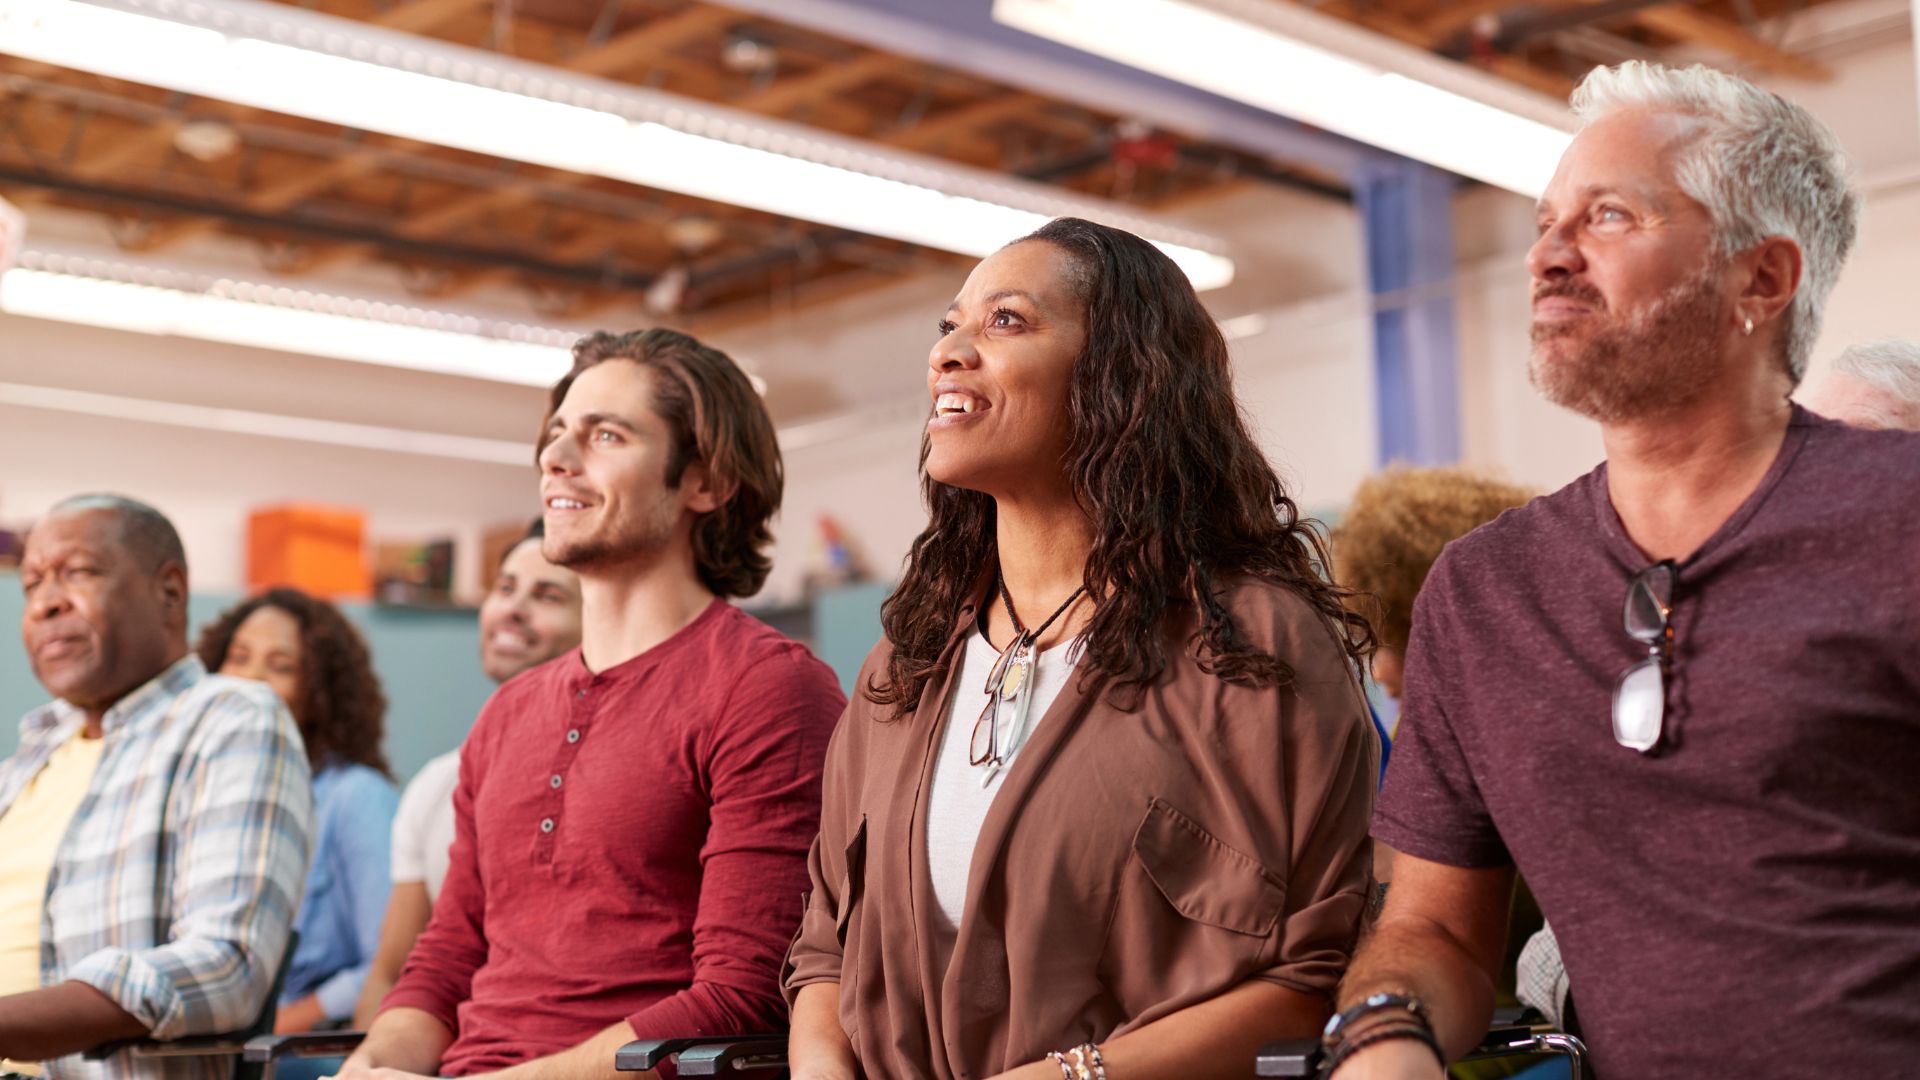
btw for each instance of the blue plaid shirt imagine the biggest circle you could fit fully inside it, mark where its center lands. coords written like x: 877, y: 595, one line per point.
x: 176, y: 883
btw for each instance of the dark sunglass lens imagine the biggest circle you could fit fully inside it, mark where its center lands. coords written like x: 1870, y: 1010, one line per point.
x: 1647, y: 602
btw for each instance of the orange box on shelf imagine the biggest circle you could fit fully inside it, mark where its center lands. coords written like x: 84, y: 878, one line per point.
x: 318, y: 549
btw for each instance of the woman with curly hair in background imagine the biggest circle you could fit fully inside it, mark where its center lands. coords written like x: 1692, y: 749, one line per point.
x: 1101, y: 801
x: 317, y: 662
x: 1391, y: 534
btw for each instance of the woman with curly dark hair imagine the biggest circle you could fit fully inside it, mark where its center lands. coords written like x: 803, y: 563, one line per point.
x: 1103, y: 800
x: 317, y: 662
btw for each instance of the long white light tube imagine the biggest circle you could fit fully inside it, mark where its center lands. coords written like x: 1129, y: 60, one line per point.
x: 93, y: 292
x: 1288, y: 59
x: 301, y: 63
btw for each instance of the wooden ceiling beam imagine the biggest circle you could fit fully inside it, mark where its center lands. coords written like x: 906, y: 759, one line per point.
x: 964, y: 120
x: 116, y: 154
x: 832, y: 78
x: 1458, y: 15
x: 421, y: 16
x: 1695, y: 27
x: 1505, y: 65
x: 267, y: 199
x: 648, y: 42
x: 467, y: 207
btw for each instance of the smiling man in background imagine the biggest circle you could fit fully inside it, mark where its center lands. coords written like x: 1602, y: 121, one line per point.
x: 531, y: 615
x: 154, y: 824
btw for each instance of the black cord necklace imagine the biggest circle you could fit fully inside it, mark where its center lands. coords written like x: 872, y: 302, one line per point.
x: 1007, y: 680
x: 1019, y: 631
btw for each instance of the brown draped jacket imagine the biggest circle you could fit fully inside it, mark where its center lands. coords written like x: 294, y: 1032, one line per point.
x: 1134, y: 862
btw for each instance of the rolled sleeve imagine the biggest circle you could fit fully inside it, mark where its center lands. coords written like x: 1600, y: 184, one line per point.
x: 1334, y: 778
x: 244, y: 810
x: 816, y: 954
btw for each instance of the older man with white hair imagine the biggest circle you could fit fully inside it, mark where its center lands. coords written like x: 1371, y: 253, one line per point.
x: 1664, y: 693
x: 1876, y: 385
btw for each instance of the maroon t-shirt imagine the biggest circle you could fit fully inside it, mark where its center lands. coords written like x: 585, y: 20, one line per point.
x: 1747, y: 901
x: 629, y: 845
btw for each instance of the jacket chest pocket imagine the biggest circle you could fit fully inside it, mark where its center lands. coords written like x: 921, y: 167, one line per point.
x: 1204, y: 879
x: 1193, y: 915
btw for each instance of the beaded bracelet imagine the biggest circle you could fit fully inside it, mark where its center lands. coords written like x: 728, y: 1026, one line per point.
x: 1383, y: 1033
x: 1371, y: 1005
x: 1085, y: 1054
x: 1087, y: 1063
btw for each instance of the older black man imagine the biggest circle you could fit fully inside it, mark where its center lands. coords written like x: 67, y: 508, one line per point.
x: 155, y: 821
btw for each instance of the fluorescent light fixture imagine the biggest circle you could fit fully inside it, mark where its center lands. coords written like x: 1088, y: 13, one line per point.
x: 1288, y: 59
x: 301, y: 63
x: 144, y: 300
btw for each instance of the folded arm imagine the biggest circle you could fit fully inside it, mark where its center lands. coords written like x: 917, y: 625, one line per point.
x: 55, y: 1021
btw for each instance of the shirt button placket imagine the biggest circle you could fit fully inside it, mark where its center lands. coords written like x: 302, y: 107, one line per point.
x: 554, y: 781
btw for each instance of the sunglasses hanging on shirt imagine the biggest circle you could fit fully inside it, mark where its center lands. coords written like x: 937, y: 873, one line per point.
x: 1640, y: 694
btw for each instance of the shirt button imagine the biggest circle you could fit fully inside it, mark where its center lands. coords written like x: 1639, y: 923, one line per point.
x: 555, y: 781
x: 582, y: 692
x: 546, y: 824
x: 574, y: 735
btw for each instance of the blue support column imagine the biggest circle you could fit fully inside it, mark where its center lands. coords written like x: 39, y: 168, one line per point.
x: 1407, y: 210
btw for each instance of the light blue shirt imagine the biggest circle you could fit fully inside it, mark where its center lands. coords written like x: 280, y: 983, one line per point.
x: 347, y: 887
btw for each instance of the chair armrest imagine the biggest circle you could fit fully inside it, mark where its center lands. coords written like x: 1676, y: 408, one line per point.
x: 644, y: 1054
x: 265, y: 1048
x: 1289, y: 1057
x: 701, y: 1055
x: 192, y: 1046
x: 737, y: 1055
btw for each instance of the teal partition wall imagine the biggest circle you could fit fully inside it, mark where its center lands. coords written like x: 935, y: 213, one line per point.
x: 846, y: 624
x: 428, y: 661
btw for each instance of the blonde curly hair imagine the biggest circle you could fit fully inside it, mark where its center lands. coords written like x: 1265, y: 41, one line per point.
x: 1393, y: 531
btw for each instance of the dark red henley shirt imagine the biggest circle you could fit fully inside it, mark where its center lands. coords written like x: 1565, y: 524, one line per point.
x: 631, y: 844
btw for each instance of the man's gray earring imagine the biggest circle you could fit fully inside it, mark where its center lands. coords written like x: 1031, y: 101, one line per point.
x: 1749, y: 327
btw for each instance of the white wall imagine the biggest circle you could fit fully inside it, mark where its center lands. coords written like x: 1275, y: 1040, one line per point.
x: 207, y: 481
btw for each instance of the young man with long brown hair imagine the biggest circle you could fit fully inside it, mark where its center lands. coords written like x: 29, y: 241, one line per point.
x: 632, y: 819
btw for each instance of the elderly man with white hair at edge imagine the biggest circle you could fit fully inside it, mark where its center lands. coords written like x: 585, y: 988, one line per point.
x: 1664, y: 693
x: 1876, y: 385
